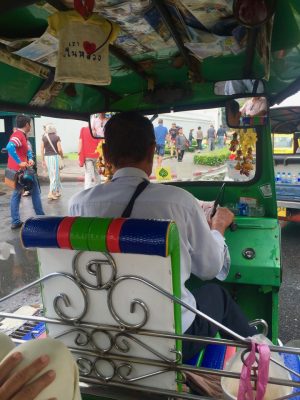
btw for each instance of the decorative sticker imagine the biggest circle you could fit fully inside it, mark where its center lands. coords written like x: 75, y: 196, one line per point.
x: 266, y: 190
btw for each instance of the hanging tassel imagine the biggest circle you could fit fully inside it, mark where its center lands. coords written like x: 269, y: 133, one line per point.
x: 84, y: 7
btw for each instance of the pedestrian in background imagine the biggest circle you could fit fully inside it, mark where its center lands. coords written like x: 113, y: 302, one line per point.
x: 199, y: 138
x: 88, y: 157
x: 191, y: 136
x: 181, y: 144
x: 173, y: 131
x: 211, y: 137
x: 51, y: 150
x: 20, y: 157
x: 160, y: 132
x: 221, y: 133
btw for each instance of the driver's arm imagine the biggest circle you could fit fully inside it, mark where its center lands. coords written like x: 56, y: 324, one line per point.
x: 208, y: 250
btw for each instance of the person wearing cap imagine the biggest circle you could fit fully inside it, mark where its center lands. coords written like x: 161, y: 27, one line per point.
x: 160, y: 132
x: 20, y: 158
x: 51, y: 150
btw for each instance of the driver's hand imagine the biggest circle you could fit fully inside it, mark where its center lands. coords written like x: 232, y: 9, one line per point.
x: 23, y: 164
x: 222, y: 219
x: 16, y: 386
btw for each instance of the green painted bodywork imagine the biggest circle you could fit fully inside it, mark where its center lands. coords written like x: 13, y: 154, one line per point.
x: 262, y: 235
x: 174, y: 253
x: 253, y: 283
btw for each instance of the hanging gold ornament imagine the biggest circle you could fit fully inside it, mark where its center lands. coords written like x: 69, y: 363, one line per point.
x: 242, y: 144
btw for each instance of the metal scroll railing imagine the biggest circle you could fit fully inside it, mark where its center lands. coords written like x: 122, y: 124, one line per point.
x: 112, y: 364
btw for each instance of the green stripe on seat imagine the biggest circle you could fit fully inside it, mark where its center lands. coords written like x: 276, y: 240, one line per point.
x: 97, y: 234
x: 79, y: 233
x: 173, y: 251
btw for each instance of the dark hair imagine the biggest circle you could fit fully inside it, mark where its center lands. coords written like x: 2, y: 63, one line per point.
x: 22, y: 120
x: 128, y: 136
x: 199, y: 127
x: 233, y: 106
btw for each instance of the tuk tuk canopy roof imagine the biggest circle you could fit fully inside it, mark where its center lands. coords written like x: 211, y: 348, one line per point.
x: 285, y: 119
x: 167, y: 55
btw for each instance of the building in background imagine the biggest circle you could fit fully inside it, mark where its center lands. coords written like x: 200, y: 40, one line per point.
x: 69, y: 130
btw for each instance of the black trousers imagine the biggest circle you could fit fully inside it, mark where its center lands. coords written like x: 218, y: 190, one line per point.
x: 180, y: 155
x: 216, y: 302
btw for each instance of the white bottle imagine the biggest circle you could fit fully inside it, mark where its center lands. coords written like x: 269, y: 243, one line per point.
x: 289, y: 178
x: 278, y: 177
x: 298, y: 180
x: 294, y: 179
x: 283, y: 178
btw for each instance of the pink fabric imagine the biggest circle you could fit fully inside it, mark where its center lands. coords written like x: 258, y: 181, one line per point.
x: 263, y: 370
x: 245, y: 387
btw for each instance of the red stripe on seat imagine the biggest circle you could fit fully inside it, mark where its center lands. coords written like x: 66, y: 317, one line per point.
x: 63, y: 232
x: 113, y: 235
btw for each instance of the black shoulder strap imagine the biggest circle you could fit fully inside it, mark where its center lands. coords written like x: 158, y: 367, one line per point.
x: 140, y: 188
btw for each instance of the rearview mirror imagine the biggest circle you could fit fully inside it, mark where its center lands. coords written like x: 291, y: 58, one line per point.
x: 242, y: 86
x: 97, y: 123
x: 246, y: 112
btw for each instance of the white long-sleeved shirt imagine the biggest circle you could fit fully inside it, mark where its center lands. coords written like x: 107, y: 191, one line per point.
x: 203, y: 251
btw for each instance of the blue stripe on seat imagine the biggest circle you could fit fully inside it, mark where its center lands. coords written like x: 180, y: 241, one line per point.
x: 40, y: 232
x: 140, y: 236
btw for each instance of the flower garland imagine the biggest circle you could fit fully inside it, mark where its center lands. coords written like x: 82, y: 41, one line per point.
x: 242, y: 144
x: 105, y: 169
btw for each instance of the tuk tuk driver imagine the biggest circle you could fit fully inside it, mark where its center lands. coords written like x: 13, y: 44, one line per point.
x: 130, y: 148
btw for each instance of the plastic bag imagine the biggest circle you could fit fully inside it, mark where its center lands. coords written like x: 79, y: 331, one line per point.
x: 230, y: 386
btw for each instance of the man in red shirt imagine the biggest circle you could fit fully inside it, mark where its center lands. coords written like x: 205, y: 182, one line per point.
x: 88, y: 157
x: 20, y: 157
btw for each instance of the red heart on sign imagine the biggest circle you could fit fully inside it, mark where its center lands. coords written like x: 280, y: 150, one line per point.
x: 89, y: 47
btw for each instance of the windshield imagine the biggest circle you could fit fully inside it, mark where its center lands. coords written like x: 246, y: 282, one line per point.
x: 199, y: 146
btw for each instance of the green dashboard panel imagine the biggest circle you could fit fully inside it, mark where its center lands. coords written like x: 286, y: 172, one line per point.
x: 257, y: 237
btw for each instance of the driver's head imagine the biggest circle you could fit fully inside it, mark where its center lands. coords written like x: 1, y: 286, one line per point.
x: 129, y: 139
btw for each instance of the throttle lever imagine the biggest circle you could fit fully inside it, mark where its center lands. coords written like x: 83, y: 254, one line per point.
x: 233, y: 226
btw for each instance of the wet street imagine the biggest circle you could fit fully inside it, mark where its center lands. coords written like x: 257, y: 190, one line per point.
x: 21, y: 268
x: 290, y: 288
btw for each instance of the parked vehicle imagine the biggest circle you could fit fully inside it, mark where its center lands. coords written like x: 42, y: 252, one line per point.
x: 286, y: 149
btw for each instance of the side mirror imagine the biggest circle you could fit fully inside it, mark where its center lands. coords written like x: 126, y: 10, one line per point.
x: 242, y: 86
x: 246, y: 112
